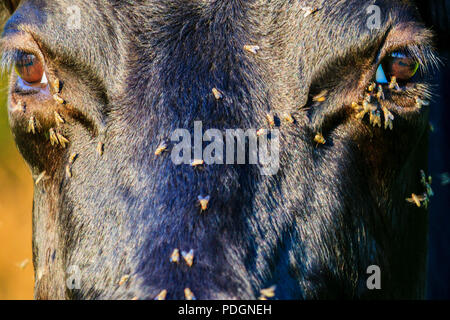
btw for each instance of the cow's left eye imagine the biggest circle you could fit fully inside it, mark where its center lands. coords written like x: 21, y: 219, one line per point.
x: 29, y: 68
x: 398, y: 65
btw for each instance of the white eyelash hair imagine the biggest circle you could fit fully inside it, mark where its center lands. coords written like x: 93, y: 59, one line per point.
x: 425, y: 56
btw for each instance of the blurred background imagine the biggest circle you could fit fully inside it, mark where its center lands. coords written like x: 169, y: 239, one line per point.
x: 16, y: 192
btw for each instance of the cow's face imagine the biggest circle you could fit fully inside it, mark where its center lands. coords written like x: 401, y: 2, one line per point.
x: 101, y: 86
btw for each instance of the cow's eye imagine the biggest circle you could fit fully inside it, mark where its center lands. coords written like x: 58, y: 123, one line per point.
x: 29, y: 67
x: 398, y: 65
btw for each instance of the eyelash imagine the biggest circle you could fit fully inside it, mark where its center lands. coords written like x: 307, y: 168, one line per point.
x: 424, y: 55
x: 10, y: 57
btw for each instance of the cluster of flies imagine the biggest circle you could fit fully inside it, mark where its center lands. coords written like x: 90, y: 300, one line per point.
x: 55, y: 136
x: 372, y: 104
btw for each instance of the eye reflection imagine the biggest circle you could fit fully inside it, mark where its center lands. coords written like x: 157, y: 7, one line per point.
x: 29, y: 67
x: 400, y: 65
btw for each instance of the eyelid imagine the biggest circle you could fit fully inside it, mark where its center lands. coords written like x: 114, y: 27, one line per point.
x: 411, y: 39
x: 12, y: 44
x: 423, y: 54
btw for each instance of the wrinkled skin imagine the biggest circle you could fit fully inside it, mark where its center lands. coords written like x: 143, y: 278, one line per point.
x: 134, y: 72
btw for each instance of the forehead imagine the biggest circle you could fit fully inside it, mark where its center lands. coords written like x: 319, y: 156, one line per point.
x: 99, y: 34
x: 67, y: 24
x: 63, y: 12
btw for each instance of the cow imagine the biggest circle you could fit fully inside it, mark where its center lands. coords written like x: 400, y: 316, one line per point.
x: 343, y: 87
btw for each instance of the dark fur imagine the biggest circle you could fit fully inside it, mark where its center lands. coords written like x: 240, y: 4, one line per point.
x: 137, y: 70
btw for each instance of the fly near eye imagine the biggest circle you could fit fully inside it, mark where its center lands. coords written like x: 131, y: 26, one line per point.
x: 399, y: 65
x: 29, y: 67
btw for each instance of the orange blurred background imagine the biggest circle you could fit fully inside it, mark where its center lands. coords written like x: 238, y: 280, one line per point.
x: 16, y: 195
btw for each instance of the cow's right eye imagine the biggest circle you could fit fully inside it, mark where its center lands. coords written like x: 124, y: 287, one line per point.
x: 29, y: 67
x: 398, y: 65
